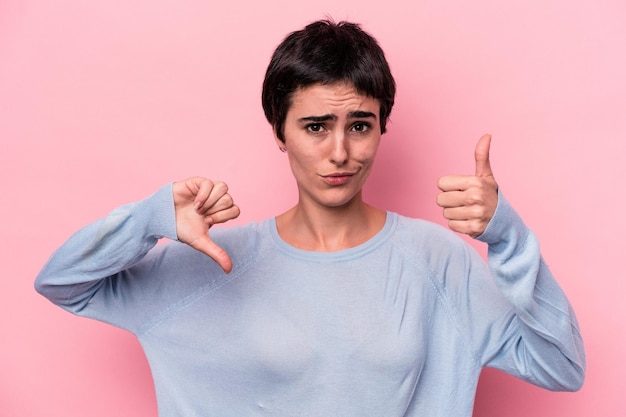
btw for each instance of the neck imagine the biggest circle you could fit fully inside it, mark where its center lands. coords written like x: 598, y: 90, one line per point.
x: 326, y: 229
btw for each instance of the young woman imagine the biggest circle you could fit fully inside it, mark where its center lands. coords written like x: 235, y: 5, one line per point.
x: 334, y: 307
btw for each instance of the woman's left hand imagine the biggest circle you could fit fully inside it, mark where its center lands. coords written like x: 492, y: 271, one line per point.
x: 469, y: 201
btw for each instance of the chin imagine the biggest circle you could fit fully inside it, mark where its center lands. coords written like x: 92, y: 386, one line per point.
x: 341, y: 202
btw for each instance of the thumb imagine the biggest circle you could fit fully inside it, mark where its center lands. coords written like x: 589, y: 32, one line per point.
x: 481, y: 154
x: 219, y: 255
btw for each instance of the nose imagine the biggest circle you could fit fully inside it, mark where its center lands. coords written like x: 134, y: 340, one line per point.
x: 339, y: 149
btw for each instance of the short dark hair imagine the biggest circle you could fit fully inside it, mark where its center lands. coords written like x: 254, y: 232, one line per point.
x: 325, y: 52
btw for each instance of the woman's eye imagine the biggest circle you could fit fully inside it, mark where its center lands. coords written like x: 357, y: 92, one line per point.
x: 361, y: 127
x: 315, y: 127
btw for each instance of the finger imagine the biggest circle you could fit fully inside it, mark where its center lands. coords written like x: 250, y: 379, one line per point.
x: 223, y: 203
x: 223, y: 216
x: 454, y: 182
x: 451, y: 199
x: 473, y: 228
x: 210, y: 196
x: 200, y: 188
x: 481, y: 154
x: 210, y: 248
x: 459, y: 226
x: 469, y: 213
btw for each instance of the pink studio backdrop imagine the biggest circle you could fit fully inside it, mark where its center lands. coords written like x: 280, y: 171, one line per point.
x: 101, y: 102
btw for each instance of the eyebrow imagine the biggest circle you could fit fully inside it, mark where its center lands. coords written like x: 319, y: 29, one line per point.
x: 358, y: 114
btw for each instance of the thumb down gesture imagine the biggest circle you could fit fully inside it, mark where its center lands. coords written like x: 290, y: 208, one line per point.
x: 200, y: 203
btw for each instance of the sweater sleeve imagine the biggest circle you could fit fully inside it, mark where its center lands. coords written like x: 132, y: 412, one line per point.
x: 98, y: 272
x: 540, y: 340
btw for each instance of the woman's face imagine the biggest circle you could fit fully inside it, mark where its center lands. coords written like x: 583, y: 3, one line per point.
x: 331, y: 136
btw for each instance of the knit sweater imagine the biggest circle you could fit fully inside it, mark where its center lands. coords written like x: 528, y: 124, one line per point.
x: 400, y: 325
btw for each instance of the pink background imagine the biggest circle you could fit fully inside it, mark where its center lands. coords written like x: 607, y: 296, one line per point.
x: 103, y: 101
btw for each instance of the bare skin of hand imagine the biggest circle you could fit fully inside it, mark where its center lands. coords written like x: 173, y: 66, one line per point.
x: 469, y: 201
x: 200, y: 203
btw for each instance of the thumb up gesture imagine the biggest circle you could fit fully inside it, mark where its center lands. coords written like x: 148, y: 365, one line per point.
x: 200, y: 203
x: 469, y: 201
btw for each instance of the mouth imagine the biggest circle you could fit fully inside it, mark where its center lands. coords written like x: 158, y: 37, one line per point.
x: 338, y: 178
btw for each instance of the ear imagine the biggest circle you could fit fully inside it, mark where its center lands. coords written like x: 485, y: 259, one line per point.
x: 279, y: 143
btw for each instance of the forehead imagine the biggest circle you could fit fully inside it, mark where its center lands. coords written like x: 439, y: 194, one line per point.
x: 336, y: 98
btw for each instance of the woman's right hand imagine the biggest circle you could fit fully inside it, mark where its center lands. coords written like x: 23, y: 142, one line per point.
x: 199, y: 204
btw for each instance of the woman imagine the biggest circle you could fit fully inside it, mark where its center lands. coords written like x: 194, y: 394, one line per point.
x: 335, y: 307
